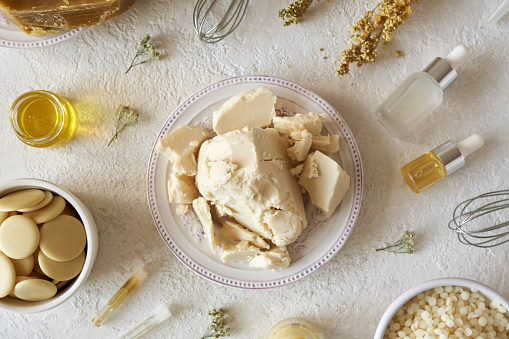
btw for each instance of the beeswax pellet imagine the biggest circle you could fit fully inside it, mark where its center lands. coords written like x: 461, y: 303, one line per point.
x: 19, y: 237
x: 48, y: 212
x: 63, y: 238
x: 47, y: 199
x: 7, y: 275
x: 21, y: 199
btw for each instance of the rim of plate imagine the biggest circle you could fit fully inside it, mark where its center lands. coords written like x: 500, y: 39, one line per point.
x: 42, y: 41
x: 357, y: 184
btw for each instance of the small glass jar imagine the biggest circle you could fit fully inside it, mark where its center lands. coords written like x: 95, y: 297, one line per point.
x: 294, y: 328
x: 43, y: 119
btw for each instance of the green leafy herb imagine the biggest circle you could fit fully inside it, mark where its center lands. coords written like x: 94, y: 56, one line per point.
x: 218, y: 327
x: 294, y: 12
x: 403, y: 245
x: 126, y: 117
x: 145, y: 49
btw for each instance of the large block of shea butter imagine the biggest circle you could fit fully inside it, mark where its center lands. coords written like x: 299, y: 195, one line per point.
x: 38, y: 17
x: 248, y: 172
x: 325, y: 181
x: 253, y: 108
x: 181, y: 146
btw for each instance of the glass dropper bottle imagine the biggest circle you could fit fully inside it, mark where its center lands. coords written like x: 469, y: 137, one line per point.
x: 434, y: 165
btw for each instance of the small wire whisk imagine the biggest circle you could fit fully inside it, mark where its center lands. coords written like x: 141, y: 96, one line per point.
x: 482, y: 221
x: 227, y: 21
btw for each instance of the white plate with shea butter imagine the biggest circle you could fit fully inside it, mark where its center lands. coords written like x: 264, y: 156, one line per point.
x: 318, y: 242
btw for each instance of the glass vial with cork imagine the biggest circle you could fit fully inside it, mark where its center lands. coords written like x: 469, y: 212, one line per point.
x: 434, y: 165
x: 43, y: 119
x: 419, y: 94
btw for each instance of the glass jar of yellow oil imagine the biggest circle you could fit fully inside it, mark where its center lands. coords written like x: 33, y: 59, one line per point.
x: 294, y: 328
x: 43, y: 119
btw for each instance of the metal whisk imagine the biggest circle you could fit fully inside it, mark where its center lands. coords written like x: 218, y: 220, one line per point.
x: 226, y: 23
x: 481, y: 221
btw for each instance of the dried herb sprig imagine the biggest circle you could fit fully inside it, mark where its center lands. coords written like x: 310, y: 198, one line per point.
x: 372, y: 29
x: 294, y: 12
x: 218, y: 328
x: 126, y: 117
x: 145, y: 48
x: 403, y: 245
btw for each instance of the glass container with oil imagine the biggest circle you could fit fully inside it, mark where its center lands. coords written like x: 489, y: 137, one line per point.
x: 434, y: 165
x: 43, y: 119
x: 294, y: 328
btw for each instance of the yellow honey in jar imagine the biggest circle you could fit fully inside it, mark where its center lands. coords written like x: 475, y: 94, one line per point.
x: 43, y: 119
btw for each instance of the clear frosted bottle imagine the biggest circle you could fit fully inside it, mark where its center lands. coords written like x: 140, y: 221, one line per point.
x: 419, y: 94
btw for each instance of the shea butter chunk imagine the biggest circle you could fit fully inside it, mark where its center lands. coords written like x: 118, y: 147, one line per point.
x: 20, y: 199
x: 63, y: 238
x: 7, y: 275
x: 327, y: 144
x: 275, y: 259
x: 256, y: 181
x: 48, y: 212
x: 35, y: 290
x: 202, y: 210
x: 312, y: 122
x: 239, y: 251
x: 181, y: 146
x: 48, y: 196
x: 234, y: 231
x: 19, y: 237
x: 325, y: 181
x: 181, y: 189
x: 61, y: 270
x: 253, y: 108
x: 302, y: 143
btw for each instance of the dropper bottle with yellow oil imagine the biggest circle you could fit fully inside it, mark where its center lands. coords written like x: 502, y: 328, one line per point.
x: 433, y: 166
x: 43, y: 119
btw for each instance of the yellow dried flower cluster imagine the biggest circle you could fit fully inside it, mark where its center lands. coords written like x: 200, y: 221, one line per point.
x: 294, y: 12
x: 373, y: 28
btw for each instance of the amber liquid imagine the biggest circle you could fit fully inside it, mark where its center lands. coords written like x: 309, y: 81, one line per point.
x: 423, y: 172
x: 43, y: 119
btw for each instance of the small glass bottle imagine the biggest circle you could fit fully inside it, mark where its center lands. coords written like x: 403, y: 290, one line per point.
x: 433, y: 166
x: 419, y: 94
x: 43, y: 119
x: 294, y: 328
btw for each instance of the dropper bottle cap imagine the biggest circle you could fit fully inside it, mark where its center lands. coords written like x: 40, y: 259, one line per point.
x: 453, y: 155
x: 443, y: 70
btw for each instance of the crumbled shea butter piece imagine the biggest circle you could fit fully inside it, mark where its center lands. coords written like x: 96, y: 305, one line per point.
x: 239, y: 251
x: 202, y: 210
x: 302, y: 143
x: 275, y: 259
x: 325, y: 181
x: 297, y: 170
x: 252, y: 108
x: 327, y: 144
x: 238, y: 232
x: 181, y: 146
x: 312, y: 122
x: 181, y: 189
x: 182, y: 209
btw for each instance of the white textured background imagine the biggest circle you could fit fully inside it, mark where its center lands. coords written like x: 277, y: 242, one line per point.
x: 347, y: 297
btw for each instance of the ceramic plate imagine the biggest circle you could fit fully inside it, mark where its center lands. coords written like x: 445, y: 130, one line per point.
x: 318, y: 242
x: 11, y: 36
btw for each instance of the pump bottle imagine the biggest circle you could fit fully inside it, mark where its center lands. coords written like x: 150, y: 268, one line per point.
x: 433, y: 166
x: 419, y: 94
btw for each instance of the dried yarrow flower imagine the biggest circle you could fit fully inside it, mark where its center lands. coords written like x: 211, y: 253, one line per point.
x: 374, y: 26
x: 294, y: 12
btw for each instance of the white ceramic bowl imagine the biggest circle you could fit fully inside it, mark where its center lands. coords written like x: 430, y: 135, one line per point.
x: 21, y: 306
x: 487, y: 291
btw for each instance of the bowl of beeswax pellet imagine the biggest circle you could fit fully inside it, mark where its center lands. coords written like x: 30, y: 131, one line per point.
x: 48, y: 245
x: 447, y: 308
